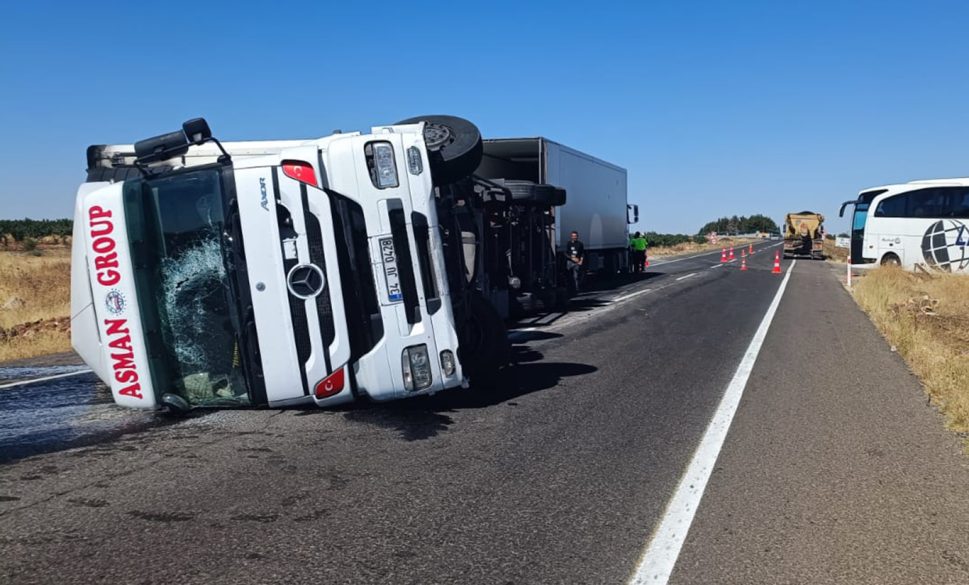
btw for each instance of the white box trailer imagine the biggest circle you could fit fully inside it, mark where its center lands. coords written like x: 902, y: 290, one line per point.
x: 597, y: 204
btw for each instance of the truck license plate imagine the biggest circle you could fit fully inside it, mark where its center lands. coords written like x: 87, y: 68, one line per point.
x: 391, y: 274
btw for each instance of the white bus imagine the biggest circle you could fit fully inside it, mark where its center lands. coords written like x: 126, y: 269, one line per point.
x: 921, y: 223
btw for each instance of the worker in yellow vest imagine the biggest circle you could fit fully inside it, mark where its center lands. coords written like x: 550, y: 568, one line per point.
x: 637, y: 245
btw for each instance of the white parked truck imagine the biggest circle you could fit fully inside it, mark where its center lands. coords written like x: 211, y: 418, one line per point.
x: 597, y: 205
x: 289, y: 272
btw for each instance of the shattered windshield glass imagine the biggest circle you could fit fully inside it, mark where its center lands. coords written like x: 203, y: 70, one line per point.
x: 176, y: 224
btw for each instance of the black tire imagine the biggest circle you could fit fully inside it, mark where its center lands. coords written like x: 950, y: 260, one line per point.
x: 529, y: 192
x: 453, y: 145
x: 484, y: 345
x: 891, y: 260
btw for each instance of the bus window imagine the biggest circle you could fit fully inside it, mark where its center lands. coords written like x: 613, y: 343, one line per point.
x: 957, y: 205
x: 861, y: 215
x: 893, y: 206
x: 926, y: 203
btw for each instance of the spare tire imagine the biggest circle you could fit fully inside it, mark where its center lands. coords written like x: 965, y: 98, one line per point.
x: 453, y: 145
x: 529, y: 192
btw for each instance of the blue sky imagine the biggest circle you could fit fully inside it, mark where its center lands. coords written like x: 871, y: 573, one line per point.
x: 715, y: 108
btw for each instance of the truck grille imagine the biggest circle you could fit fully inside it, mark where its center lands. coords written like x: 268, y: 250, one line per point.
x: 360, y: 302
x: 405, y: 263
x: 314, y: 235
x: 297, y: 307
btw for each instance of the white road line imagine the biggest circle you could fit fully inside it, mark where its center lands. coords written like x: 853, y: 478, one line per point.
x: 716, y: 266
x: 660, y: 556
x: 686, y: 276
x: 631, y: 295
x: 44, y: 379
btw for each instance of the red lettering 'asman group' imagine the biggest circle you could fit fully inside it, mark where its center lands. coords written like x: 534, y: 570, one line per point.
x: 103, y: 244
x: 123, y: 357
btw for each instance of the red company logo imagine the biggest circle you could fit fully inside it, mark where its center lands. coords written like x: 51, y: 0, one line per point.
x: 123, y: 357
x: 103, y: 245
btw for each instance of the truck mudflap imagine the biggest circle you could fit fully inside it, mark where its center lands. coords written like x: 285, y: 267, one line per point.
x: 114, y: 300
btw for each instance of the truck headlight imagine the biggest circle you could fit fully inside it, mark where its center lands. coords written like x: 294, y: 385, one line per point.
x: 447, y: 362
x: 414, y: 162
x: 381, y: 163
x: 416, y: 368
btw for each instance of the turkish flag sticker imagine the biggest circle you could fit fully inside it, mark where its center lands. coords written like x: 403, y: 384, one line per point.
x: 331, y: 386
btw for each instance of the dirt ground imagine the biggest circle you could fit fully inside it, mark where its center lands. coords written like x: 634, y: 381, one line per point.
x: 35, y: 304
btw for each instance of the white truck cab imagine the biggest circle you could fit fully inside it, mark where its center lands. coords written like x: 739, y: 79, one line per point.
x: 264, y: 273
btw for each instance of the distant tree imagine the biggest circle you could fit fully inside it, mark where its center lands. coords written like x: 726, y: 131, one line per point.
x: 21, y: 229
x: 742, y: 224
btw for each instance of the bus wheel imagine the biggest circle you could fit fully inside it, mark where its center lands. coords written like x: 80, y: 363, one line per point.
x: 891, y: 260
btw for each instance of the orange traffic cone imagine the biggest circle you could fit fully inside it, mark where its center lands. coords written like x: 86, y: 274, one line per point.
x: 743, y: 264
x: 731, y: 253
x: 723, y: 255
x: 777, y: 263
x: 646, y: 263
x: 751, y: 248
x: 743, y: 253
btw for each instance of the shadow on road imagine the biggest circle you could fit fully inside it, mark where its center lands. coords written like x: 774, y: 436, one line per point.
x: 426, y: 416
x: 615, y: 281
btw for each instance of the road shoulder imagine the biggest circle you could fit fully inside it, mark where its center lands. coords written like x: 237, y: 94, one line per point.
x: 835, y: 469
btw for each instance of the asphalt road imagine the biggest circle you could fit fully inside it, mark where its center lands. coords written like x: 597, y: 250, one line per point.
x: 558, y: 475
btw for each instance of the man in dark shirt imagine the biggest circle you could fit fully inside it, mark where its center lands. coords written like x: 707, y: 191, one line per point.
x: 574, y: 258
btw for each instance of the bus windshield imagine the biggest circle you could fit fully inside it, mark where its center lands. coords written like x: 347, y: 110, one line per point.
x: 860, y: 217
x: 176, y: 227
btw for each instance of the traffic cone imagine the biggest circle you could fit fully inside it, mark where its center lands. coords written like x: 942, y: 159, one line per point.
x: 777, y: 263
x: 743, y: 254
x: 751, y: 248
x: 731, y: 253
x: 723, y: 255
x: 743, y: 264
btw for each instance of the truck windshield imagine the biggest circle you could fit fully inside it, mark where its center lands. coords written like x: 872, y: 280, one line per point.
x: 177, y: 233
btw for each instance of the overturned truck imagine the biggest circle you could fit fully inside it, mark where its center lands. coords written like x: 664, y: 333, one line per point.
x: 303, y: 271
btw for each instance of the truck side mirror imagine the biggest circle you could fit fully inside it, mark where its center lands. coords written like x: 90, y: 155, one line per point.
x: 635, y: 214
x: 197, y: 130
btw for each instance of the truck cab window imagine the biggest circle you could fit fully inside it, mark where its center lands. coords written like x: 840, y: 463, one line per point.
x: 177, y: 227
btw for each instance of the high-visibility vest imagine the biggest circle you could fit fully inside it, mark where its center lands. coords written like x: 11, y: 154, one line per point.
x: 639, y: 244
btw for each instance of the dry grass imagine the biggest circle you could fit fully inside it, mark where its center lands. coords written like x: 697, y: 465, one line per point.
x: 834, y: 253
x: 35, y: 303
x: 926, y: 317
x: 693, y: 248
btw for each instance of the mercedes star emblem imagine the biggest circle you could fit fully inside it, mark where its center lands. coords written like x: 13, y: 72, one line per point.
x: 305, y: 281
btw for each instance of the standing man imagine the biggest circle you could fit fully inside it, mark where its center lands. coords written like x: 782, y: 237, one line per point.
x: 574, y: 258
x: 632, y: 252
x: 639, y: 252
x: 644, y: 244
